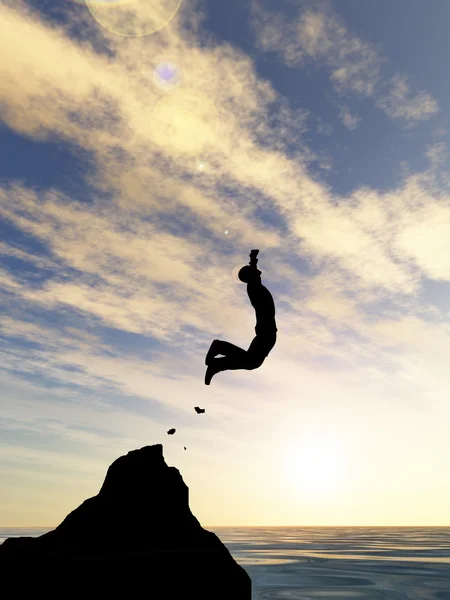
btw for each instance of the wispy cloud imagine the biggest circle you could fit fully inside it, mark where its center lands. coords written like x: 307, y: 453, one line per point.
x: 438, y: 154
x: 348, y: 118
x: 324, y: 128
x: 400, y: 102
x: 355, y: 66
x: 319, y: 34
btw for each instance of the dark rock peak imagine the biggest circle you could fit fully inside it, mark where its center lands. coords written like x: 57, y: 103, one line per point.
x: 132, y: 473
x: 140, y: 523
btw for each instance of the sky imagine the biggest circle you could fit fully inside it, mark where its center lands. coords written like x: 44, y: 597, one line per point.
x: 146, y: 146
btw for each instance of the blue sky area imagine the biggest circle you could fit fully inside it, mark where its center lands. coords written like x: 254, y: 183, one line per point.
x: 315, y: 131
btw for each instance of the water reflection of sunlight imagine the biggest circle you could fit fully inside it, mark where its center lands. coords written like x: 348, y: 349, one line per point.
x: 306, y: 554
x: 253, y: 560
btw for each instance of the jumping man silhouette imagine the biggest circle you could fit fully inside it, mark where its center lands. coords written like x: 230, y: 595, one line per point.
x: 266, y: 329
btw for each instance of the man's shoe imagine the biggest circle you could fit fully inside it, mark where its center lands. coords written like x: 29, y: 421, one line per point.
x: 211, y: 353
x: 210, y: 372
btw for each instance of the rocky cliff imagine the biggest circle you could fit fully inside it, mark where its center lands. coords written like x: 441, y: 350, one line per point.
x: 138, y: 536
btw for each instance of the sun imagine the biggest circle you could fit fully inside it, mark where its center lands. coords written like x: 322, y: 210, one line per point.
x: 315, y: 464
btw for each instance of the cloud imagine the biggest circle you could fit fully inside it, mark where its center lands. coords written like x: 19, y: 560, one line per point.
x: 123, y: 281
x: 257, y: 173
x: 355, y: 66
x: 349, y: 119
x: 425, y: 238
x: 438, y: 154
x: 324, y: 128
x: 401, y: 103
x: 319, y: 34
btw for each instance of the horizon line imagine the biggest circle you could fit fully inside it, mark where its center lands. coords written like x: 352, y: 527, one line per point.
x: 256, y: 526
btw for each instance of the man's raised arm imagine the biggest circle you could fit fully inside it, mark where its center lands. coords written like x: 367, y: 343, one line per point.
x: 253, y: 259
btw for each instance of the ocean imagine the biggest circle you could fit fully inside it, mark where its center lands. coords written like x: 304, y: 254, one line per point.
x: 334, y: 563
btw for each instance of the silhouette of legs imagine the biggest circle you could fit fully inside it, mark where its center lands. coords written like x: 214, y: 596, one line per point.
x: 237, y: 358
x: 212, y: 352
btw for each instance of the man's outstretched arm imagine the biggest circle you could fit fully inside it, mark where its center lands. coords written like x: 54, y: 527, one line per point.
x: 253, y: 259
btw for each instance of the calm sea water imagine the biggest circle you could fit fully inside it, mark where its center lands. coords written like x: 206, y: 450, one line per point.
x: 335, y: 563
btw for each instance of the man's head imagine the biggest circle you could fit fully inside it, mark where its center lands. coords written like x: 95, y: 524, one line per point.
x: 248, y: 274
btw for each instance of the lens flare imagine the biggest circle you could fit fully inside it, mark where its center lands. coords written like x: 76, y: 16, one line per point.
x: 133, y: 17
x: 167, y: 76
x: 235, y: 272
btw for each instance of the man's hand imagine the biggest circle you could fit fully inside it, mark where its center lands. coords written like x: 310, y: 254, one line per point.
x: 253, y: 259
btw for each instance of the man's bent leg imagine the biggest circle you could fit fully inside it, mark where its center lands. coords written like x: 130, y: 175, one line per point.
x: 229, y: 350
x: 237, y: 358
x: 259, y: 349
x: 221, y: 347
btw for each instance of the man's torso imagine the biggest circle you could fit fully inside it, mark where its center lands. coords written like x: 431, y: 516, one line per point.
x: 262, y: 302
